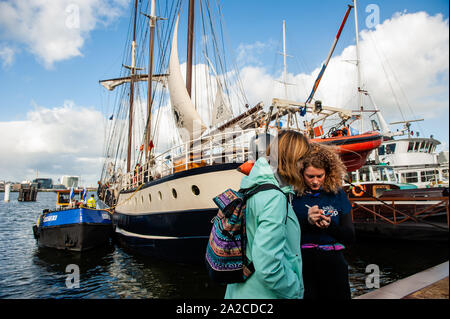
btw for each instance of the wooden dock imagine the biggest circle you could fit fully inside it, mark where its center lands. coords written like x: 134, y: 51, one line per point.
x: 428, y: 284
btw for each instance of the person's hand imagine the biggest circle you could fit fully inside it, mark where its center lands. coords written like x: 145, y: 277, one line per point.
x: 324, y: 222
x: 314, y: 215
x: 317, y: 217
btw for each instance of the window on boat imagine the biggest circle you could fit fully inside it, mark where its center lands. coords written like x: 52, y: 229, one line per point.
x: 430, y: 147
x: 426, y: 176
x: 391, y: 174
x: 63, y: 198
x: 381, y: 150
x: 386, y: 174
x: 160, y: 195
x: 411, y: 177
x: 390, y: 148
x: 416, y: 147
x: 174, y: 193
x: 195, y: 190
x: 378, y: 174
x: 150, y: 198
x: 445, y: 173
x: 424, y: 147
x: 410, y: 146
x: 364, y: 174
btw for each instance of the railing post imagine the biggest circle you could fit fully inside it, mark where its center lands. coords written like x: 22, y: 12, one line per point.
x: 171, y: 160
x: 446, y: 207
x: 394, y: 212
x: 223, y: 148
x: 243, y: 144
x: 210, y: 151
x: 186, y: 156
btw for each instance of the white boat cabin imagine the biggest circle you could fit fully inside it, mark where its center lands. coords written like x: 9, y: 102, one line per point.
x: 414, y: 161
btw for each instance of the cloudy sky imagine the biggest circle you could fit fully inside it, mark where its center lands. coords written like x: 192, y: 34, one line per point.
x: 52, y: 54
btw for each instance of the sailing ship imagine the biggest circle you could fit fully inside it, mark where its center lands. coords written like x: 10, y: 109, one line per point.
x: 164, y: 162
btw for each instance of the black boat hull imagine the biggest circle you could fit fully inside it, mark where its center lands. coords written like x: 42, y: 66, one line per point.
x: 172, y: 236
x: 74, y: 237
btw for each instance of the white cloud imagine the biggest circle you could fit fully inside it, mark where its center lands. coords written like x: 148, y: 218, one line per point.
x: 65, y: 140
x: 6, y: 55
x: 55, y: 30
x: 247, y: 53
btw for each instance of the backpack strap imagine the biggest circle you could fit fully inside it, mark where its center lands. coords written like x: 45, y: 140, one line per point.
x: 249, y: 192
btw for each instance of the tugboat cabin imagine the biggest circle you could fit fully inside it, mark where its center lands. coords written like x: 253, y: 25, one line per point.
x: 63, y: 197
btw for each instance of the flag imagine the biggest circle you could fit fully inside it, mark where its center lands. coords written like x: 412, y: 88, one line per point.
x: 150, y: 145
x: 302, y: 110
x: 71, y: 194
x: 83, y: 196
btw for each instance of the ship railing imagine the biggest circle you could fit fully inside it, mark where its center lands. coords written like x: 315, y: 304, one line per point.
x: 388, y: 210
x: 230, y: 146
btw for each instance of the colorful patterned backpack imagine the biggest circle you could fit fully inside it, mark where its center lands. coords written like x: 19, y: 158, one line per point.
x: 226, y: 260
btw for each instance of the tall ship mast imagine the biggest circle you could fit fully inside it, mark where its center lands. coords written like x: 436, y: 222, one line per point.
x: 179, y: 132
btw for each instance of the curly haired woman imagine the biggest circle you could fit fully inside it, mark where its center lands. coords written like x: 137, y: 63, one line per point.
x: 323, y: 210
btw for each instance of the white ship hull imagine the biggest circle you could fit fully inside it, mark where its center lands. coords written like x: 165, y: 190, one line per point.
x: 171, y: 217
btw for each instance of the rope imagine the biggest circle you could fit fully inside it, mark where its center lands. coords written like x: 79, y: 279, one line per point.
x: 110, y: 209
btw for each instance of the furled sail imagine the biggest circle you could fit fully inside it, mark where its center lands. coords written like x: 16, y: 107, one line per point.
x: 186, y: 117
x: 111, y: 84
x: 221, y: 111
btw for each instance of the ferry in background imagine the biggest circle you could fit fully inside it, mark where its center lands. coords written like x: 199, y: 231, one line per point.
x: 414, y: 159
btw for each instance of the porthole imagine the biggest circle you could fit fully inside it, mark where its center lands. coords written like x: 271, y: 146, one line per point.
x: 195, y: 190
x: 150, y: 198
x: 142, y: 199
x: 174, y: 193
x: 160, y: 195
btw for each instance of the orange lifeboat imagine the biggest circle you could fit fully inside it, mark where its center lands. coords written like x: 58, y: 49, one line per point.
x: 353, y: 149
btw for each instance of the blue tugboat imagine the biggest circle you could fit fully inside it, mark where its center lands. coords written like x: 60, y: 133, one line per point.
x: 73, y: 226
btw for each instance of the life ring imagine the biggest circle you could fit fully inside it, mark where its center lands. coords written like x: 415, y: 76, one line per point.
x: 362, y: 190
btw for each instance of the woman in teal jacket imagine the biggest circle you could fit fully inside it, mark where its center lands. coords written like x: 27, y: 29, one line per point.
x: 273, y: 235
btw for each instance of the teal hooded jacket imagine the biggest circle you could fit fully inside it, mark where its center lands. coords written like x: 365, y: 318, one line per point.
x: 273, y: 242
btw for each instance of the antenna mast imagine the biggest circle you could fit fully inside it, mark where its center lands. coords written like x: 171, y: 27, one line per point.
x: 360, y: 91
x: 132, y: 74
x: 152, y: 21
x: 190, y: 42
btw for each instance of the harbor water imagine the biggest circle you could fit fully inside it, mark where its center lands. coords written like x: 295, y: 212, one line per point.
x: 27, y: 271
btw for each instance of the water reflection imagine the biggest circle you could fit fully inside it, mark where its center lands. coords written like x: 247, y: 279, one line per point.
x: 395, y: 260
x: 111, y: 272
x: 27, y: 271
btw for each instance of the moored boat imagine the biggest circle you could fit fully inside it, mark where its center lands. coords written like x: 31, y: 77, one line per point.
x: 353, y: 149
x: 384, y: 208
x: 72, y: 226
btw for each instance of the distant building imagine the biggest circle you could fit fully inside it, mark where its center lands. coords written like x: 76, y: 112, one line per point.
x: 45, y: 183
x: 59, y: 186
x: 70, y: 181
